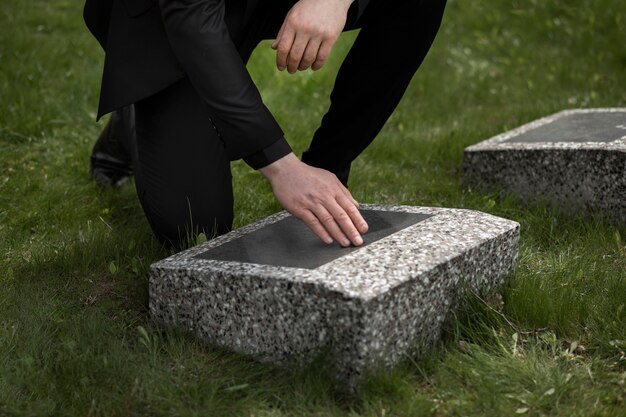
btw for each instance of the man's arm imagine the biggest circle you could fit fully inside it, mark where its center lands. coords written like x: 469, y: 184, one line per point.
x: 201, y: 42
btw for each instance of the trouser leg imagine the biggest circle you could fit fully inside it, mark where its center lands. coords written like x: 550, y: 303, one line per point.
x: 394, y: 39
x: 118, y: 134
x: 111, y: 161
x: 126, y: 128
x: 182, y: 174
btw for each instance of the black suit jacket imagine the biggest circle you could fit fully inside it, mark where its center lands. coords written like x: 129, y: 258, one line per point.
x: 150, y: 44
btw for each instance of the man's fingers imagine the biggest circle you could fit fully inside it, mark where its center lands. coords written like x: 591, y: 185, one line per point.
x: 353, y: 212
x: 331, y: 226
x: 296, y: 52
x: 343, y: 219
x: 315, y: 225
x: 322, y: 55
x: 310, y: 54
x: 284, y: 47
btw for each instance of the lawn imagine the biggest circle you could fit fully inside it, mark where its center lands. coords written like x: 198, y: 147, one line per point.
x: 75, y: 334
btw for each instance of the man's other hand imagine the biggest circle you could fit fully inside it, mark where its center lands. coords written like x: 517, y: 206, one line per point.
x: 318, y: 198
x: 308, y: 33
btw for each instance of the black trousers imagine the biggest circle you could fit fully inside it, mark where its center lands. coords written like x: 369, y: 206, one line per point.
x: 182, y: 172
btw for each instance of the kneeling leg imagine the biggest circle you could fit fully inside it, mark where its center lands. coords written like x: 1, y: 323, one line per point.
x: 182, y: 176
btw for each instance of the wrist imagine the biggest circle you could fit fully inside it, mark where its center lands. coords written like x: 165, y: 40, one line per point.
x: 279, y: 167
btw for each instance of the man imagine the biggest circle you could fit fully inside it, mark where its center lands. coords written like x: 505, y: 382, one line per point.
x: 181, y: 63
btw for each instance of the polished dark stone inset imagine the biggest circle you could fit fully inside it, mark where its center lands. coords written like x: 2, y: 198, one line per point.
x: 579, y: 127
x: 289, y: 242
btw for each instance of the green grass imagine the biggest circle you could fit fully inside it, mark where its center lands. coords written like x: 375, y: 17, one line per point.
x: 75, y: 336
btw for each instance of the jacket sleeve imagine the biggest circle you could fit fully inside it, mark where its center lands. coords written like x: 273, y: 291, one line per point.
x: 199, y: 37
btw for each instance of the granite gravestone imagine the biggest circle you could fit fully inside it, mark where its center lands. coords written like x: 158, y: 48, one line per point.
x: 574, y: 159
x: 273, y: 290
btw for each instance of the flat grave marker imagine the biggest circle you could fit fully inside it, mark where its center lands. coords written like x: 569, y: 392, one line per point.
x: 288, y: 242
x: 575, y: 160
x: 273, y: 290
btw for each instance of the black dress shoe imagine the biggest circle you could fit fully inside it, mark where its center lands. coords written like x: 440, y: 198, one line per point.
x: 111, y: 163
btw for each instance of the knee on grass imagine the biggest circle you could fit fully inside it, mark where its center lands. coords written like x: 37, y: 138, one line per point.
x: 179, y: 229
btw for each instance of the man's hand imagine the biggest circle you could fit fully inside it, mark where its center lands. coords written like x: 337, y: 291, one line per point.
x: 318, y: 198
x: 308, y: 33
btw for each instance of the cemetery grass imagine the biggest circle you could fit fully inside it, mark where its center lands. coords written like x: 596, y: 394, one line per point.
x: 75, y: 335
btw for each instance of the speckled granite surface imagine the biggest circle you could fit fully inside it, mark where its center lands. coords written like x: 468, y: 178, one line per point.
x: 581, y: 170
x: 369, y: 308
